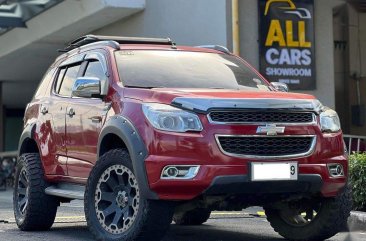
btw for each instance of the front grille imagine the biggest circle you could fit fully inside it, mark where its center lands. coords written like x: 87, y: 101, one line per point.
x: 261, y: 117
x: 263, y: 146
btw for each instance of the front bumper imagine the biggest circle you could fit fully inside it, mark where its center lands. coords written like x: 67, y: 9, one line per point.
x: 306, y: 183
x: 235, y: 179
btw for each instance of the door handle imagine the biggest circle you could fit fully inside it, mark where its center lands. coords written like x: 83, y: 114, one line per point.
x: 96, y: 119
x: 44, y: 109
x: 71, y: 112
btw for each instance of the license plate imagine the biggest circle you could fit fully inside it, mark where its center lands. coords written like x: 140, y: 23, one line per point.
x: 278, y: 171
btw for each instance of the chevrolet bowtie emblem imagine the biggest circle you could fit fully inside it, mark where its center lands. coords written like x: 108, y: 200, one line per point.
x: 270, y: 130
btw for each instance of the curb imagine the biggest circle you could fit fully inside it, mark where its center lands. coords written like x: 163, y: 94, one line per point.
x: 357, y: 221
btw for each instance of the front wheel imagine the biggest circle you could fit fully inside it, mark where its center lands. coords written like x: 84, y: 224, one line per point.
x: 116, y: 209
x: 315, y: 220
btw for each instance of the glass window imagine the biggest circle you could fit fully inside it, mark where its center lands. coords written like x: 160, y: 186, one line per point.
x: 68, y: 80
x: 184, y: 69
x: 60, y: 76
x: 95, y: 69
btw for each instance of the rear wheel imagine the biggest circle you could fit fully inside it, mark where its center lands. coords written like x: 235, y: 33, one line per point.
x: 311, y: 220
x: 196, y: 216
x: 115, y: 208
x: 33, y: 208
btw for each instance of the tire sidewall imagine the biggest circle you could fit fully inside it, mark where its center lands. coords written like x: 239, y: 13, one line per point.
x: 19, y: 218
x: 107, y: 160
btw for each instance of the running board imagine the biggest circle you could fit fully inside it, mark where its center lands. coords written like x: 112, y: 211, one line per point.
x: 69, y: 191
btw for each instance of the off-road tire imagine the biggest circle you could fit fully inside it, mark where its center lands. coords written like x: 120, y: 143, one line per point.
x: 153, y: 217
x: 331, y: 219
x: 196, y: 216
x: 40, y: 211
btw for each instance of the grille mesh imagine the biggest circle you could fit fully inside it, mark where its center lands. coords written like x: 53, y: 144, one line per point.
x: 261, y: 117
x: 265, y: 146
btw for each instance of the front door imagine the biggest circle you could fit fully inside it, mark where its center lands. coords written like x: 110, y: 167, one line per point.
x: 84, y: 120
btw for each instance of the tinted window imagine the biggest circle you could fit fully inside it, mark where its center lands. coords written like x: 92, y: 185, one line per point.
x: 95, y: 69
x: 68, y: 80
x: 184, y: 69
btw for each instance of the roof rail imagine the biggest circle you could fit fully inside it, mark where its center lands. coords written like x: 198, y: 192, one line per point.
x: 87, y: 39
x: 112, y: 44
x: 215, y: 47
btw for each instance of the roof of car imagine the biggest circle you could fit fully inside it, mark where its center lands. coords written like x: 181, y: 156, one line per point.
x: 164, y: 47
x: 115, y: 41
x: 119, y: 42
x: 132, y: 43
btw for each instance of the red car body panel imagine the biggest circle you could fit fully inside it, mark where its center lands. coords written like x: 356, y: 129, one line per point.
x: 202, y: 149
x: 68, y: 145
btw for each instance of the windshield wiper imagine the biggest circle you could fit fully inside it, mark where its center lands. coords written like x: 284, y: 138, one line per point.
x: 223, y: 88
x: 139, y: 87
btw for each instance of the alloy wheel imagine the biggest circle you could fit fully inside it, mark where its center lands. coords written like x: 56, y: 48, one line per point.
x: 23, y: 191
x: 117, y: 198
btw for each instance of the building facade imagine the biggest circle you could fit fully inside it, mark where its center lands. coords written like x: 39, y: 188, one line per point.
x: 338, y: 30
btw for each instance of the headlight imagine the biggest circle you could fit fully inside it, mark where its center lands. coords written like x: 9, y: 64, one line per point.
x: 329, y: 121
x: 168, y: 118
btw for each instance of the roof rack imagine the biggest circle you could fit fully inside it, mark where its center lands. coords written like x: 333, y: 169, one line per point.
x: 215, y: 47
x: 88, y: 39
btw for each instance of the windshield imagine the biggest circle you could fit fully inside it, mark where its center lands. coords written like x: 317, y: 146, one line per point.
x: 182, y: 69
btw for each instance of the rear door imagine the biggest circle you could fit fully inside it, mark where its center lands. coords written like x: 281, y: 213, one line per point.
x: 61, y: 95
x: 44, y: 129
x: 84, y: 120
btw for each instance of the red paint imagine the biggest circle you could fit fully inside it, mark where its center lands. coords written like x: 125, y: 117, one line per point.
x: 68, y: 145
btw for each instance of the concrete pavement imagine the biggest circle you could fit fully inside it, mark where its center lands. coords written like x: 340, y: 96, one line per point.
x: 222, y: 226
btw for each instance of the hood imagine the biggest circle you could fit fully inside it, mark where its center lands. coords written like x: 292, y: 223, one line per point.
x: 201, y: 100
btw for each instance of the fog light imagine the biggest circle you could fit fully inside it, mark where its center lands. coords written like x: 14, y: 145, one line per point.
x: 335, y: 170
x: 171, y: 172
x: 179, y: 172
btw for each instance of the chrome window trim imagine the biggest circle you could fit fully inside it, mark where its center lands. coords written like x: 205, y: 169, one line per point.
x: 313, y: 122
x: 305, y: 154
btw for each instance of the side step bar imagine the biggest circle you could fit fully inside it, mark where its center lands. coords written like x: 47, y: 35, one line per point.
x: 69, y: 191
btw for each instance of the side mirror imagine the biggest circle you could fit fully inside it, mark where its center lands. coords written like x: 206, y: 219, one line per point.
x: 280, y: 86
x: 86, y: 87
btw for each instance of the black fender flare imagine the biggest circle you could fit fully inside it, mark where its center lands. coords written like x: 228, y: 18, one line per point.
x: 125, y: 130
x: 26, y: 134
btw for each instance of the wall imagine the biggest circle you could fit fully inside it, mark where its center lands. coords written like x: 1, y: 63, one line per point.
x: 200, y: 26
x: 323, y: 44
x: 188, y: 22
x: 357, y: 62
x: 341, y: 70
x: 249, y: 31
x: 13, y: 130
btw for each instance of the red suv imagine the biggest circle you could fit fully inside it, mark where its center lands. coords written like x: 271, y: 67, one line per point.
x: 147, y: 132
